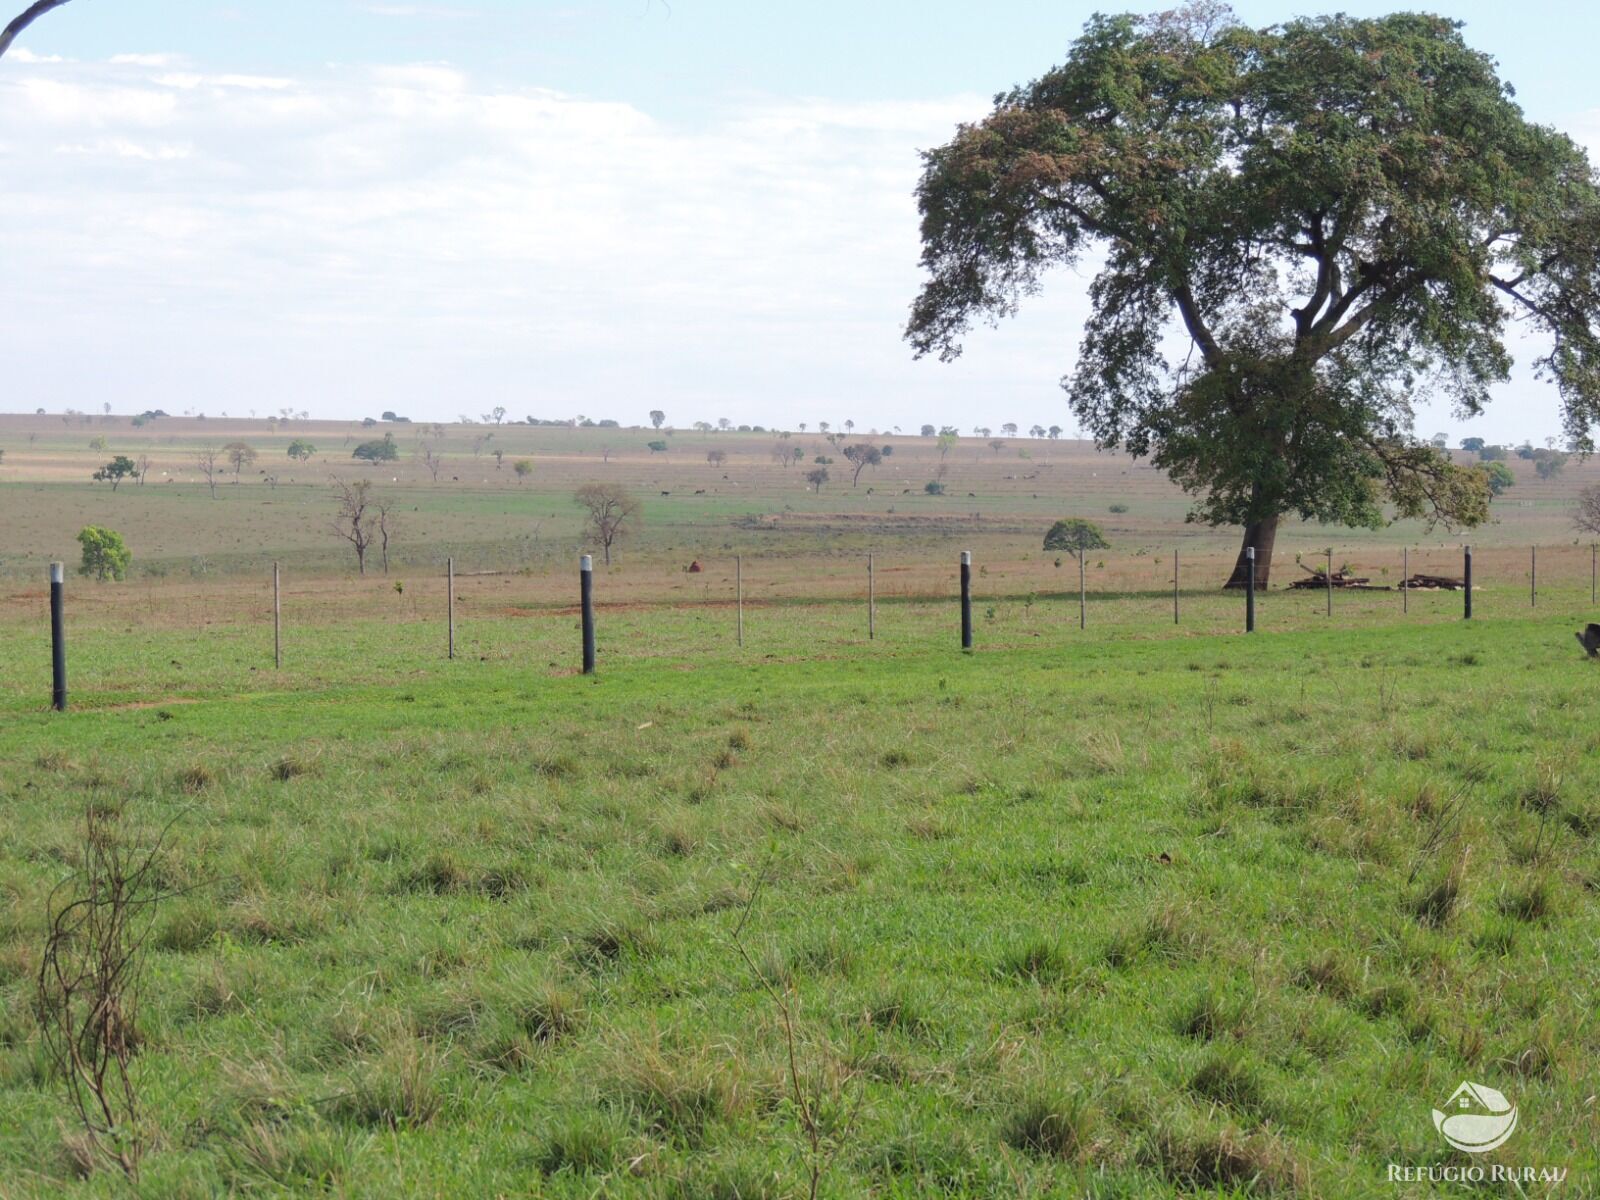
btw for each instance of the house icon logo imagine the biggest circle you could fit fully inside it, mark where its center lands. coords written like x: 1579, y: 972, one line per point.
x: 1476, y: 1119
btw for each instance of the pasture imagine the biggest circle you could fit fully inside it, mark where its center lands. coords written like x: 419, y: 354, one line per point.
x: 1137, y: 910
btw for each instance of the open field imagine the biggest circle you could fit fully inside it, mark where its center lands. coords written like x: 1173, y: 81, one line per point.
x: 1137, y: 910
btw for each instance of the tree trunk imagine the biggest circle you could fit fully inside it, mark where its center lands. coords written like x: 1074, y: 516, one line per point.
x: 1260, y: 534
x: 607, y: 547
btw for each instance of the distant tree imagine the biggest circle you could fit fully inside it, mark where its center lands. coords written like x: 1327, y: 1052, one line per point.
x: 947, y: 443
x: 928, y: 431
x: 432, y: 460
x: 356, y: 519
x: 1586, y: 515
x: 611, y: 510
x: 657, y: 447
x: 1499, y: 476
x: 301, y: 450
x: 997, y: 445
x: 1074, y: 535
x: 933, y: 487
x: 1526, y: 451
x: 240, y: 456
x: 787, y: 454
x: 378, y: 450
x: 816, y: 477
x: 105, y: 556
x: 499, y: 458
x: 702, y: 426
x: 1439, y: 441
x: 849, y: 426
x: 386, y: 528
x: 523, y: 467
x: 1036, y: 431
x: 388, y: 415
x: 657, y: 418
x: 1473, y: 444
x: 1549, y: 463
x: 115, y: 471
x: 367, y: 422
x: 498, y: 413
x: 717, y: 457
x: 97, y: 443
x: 862, y: 455
x: 144, y: 466
x: 1055, y: 432
x: 206, y: 461
x: 1009, y: 429
x: 822, y: 426
x: 801, y: 426
x: 723, y: 423
x: 1494, y: 454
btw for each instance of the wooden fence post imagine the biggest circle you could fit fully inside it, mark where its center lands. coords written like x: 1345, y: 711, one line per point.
x: 738, y: 591
x: 872, y: 601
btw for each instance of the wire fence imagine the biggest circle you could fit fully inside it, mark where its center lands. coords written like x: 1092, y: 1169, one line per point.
x: 311, y: 631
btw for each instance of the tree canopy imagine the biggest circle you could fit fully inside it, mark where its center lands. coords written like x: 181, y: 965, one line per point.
x: 1074, y: 535
x: 1299, y: 231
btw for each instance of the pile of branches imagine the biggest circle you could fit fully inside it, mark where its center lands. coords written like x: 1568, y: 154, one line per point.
x: 1341, y: 579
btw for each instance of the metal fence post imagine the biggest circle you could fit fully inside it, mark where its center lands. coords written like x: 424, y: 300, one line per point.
x: 966, y: 599
x: 1330, y: 581
x: 586, y: 593
x: 1250, y: 590
x: 1467, y: 582
x: 1083, y: 587
x: 277, y: 621
x: 58, y: 636
x: 450, y: 604
x: 1533, y: 577
x: 1405, y: 579
x: 872, y: 601
x: 1174, y: 587
x: 738, y: 591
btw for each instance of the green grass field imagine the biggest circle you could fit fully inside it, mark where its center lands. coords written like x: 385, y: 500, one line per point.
x: 1137, y: 911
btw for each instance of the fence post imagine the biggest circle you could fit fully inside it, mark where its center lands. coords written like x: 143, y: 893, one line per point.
x: 58, y: 636
x: 277, y: 622
x: 1533, y: 577
x: 1330, y: 581
x: 1250, y: 589
x: 1467, y: 582
x: 966, y: 599
x: 450, y: 604
x: 586, y: 592
x: 1405, y: 579
x: 1174, y: 586
x: 738, y: 592
x: 1083, y: 593
x: 872, y: 602
x: 1594, y: 570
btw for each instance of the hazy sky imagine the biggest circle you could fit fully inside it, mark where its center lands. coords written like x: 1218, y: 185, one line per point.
x: 596, y: 207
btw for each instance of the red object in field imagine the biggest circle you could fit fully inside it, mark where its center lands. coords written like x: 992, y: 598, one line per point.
x: 695, y: 568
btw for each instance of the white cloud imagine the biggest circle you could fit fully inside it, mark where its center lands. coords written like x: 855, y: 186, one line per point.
x: 145, y: 60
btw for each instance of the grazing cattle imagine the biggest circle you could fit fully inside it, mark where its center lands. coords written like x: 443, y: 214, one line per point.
x: 1589, y: 639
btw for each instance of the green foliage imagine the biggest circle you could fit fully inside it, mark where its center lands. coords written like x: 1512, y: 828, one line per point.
x: 523, y: 467
x: 657, y: 447
x: 1118, y: 508
x: 1330, y: 209
x: 933, y: 487
x: 115, y: 471
x: 105, y: 556
x: 1072, y: 535
x: 1549, y: 463
x: 300, y: 450
x: 1499, y: 476
x: 1472, y: 444
x: 1494, y: 454
x: 378, y: 450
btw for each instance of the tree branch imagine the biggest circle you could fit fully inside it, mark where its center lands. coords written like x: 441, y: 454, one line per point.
x: 30, y: 15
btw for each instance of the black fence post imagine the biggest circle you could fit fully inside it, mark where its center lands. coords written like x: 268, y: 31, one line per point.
x: 1594, y: 571
x: 1467, y: 582
x: 450, y: 607
x: 58, y: 636
x: 1174, y: 587
x: 1533, y: 577
x: 586, y: 592
x: 277, y: 621
x: 966, y: 599
x: 872, y: 601
x: 1250, y: 589
x: 1405, y: 579
x: 1330, y: 581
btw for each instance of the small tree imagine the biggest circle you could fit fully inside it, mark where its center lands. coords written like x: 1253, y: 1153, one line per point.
x: 816, y: 477
x: 240, y: 456
x: 657, y: 418
x: 378, y: 450
x: 717, y: 457
x: 997, y: 445
x: 301, y: 450
x: 522, y: 468
x: 611, y: 510
x: 143, y: 467
x: 115, y: 471
x: 657, y: 447
x: 105, y: 556
x: 206, y: 461
x: 433, y: 461
x: 355, y: 520
x: 1499, y: 476
x: 862, y: 455
x: 1473, y: 445
x: 1074, y: 535
x: 1586, y: 516
x: 499, y: 459
x: 933, y: 487
x: 928, y: 431
x: 1549, y: 463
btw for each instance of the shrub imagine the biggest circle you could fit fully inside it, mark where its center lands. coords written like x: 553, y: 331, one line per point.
x: 933, y: 487
x: 378, y: 450
x: 1119, y: 508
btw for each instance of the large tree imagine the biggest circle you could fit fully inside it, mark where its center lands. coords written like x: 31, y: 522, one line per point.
x: 27, y: 17
x: 1298, y: 231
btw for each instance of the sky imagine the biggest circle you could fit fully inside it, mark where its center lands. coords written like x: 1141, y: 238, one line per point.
x: 597, y: 207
